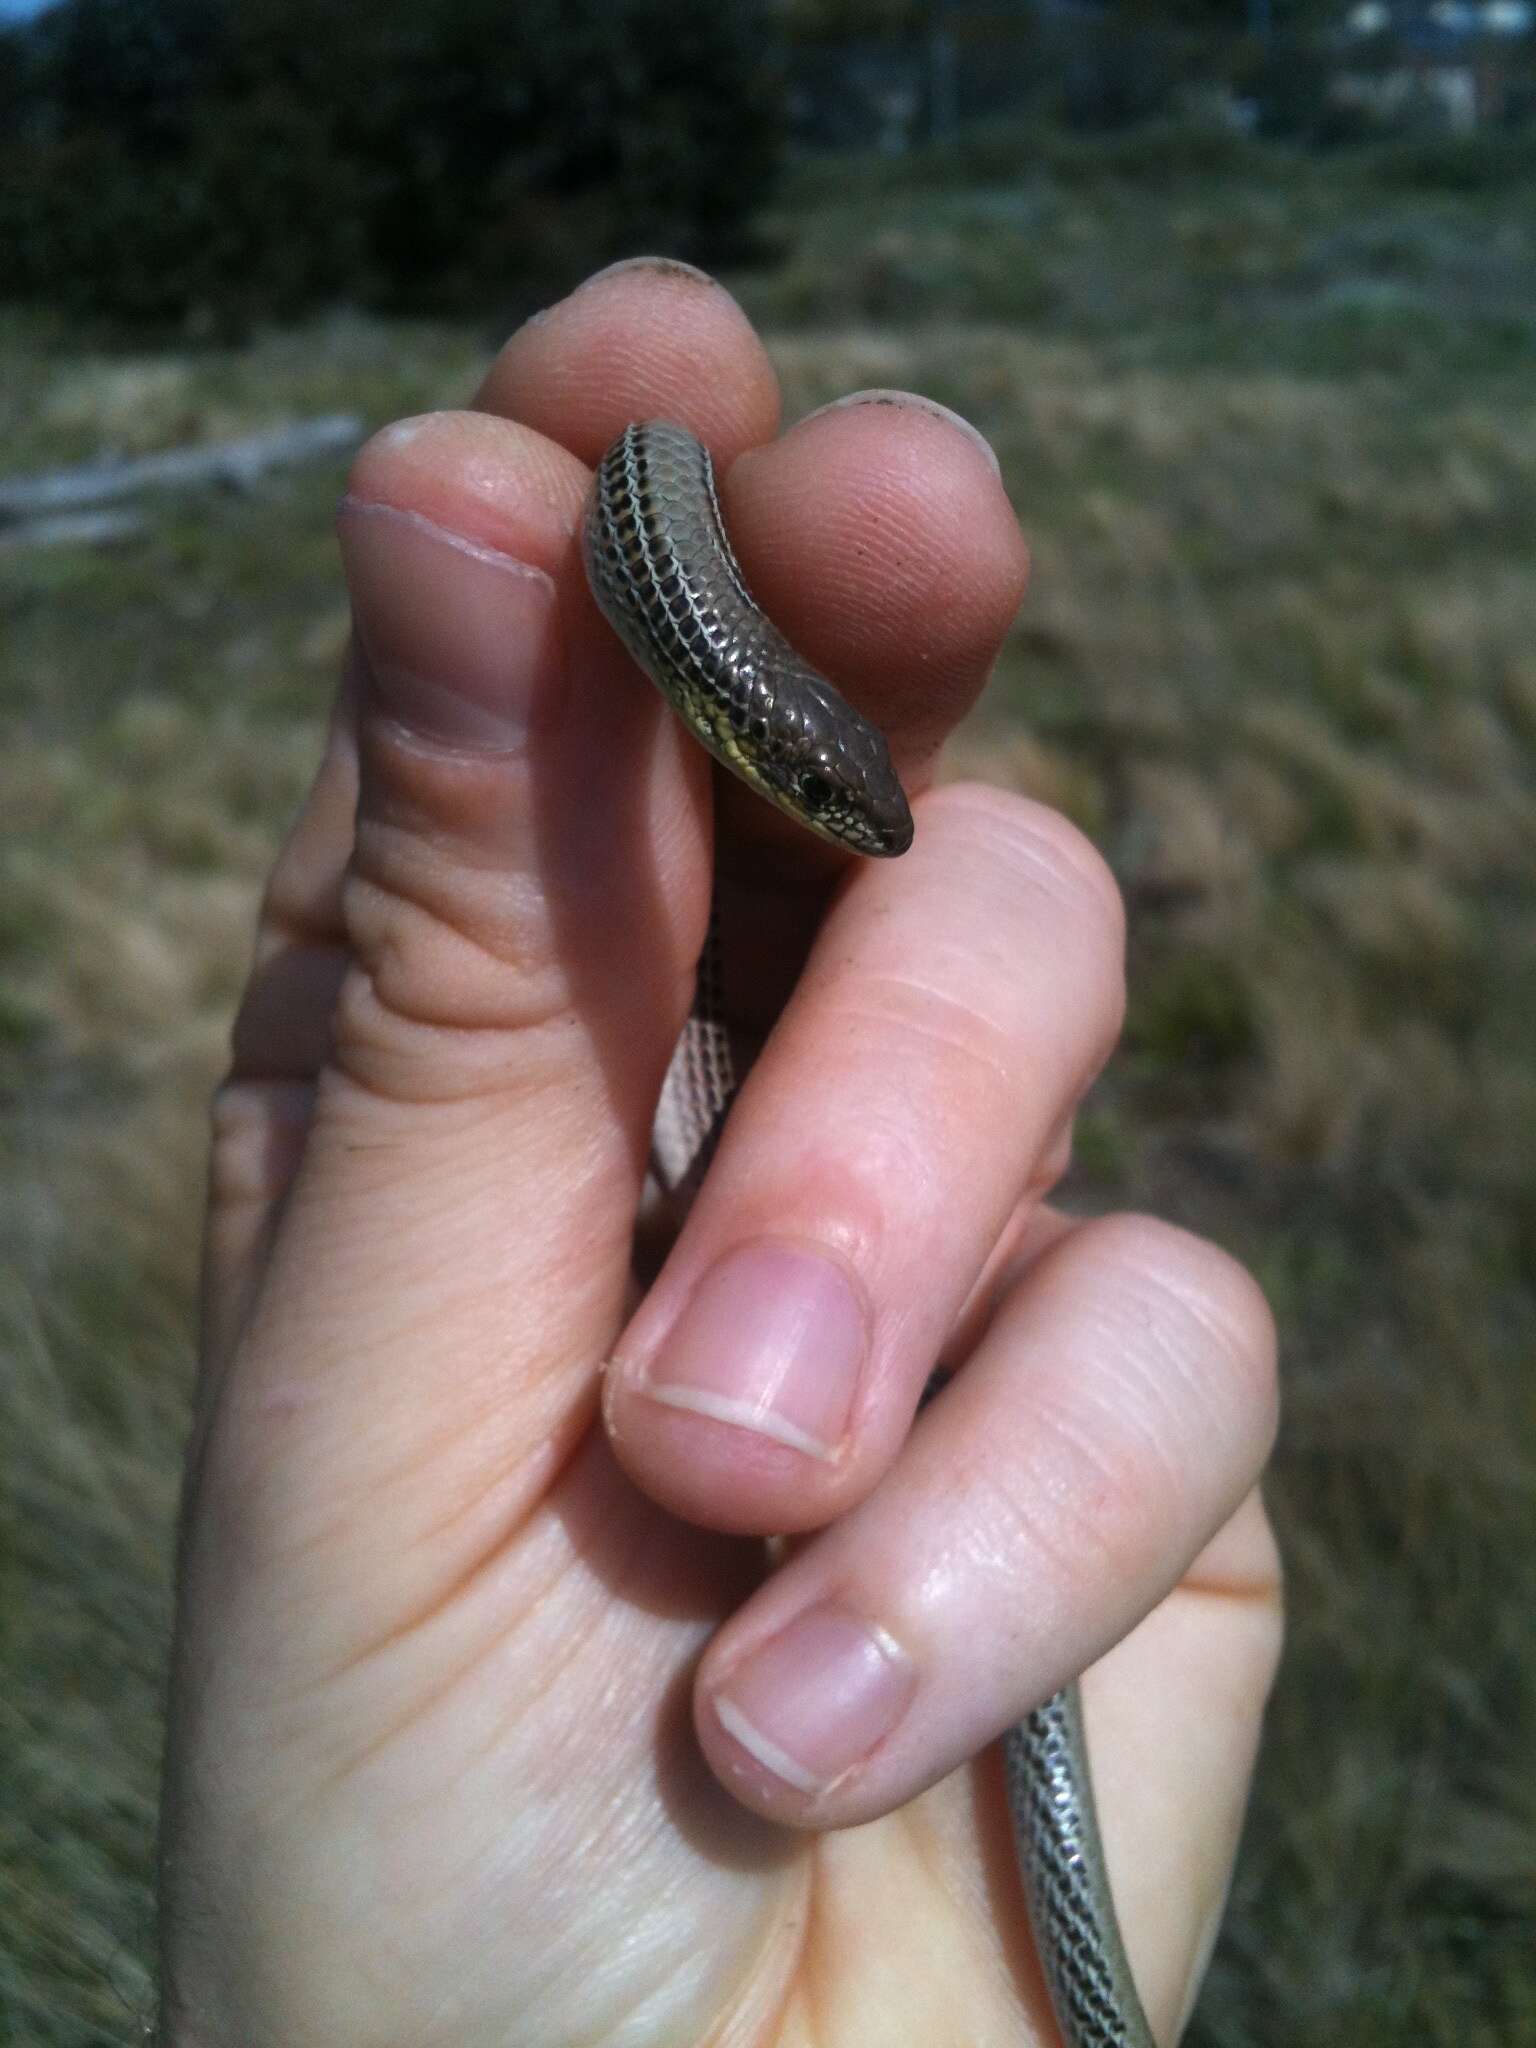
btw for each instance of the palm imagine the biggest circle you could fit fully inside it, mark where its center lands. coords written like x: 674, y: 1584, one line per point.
x: 546, y: 1821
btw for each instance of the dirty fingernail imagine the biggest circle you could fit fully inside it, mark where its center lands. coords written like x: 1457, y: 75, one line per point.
x: 913, y: 401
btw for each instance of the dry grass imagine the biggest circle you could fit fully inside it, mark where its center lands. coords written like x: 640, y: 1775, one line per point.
x: 1277, y: 659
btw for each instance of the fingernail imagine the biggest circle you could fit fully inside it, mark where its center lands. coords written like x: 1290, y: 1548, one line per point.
x: 771, y: 1341
x: 912, y: 401
x: 813, y: 1701
x: 662, y: 266
x: 462, y: 641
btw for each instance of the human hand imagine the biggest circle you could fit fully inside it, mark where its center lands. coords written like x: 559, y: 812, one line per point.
x: 446, y: 1763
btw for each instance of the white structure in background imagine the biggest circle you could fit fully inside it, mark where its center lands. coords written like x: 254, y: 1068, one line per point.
x: 1449, y: 56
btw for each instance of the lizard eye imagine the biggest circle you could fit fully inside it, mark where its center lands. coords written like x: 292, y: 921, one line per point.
x: 815, y: 791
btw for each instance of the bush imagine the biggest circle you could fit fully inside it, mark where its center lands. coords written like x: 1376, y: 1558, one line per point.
x: 207, y: 164
x: 211, y: 241
x: 1125, y: 74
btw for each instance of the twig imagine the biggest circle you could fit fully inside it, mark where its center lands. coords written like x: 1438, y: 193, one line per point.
x: 238, y: 464
x: 78, y: 529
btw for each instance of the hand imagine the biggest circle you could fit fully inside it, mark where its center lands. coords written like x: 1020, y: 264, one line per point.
x: 488, y: 1725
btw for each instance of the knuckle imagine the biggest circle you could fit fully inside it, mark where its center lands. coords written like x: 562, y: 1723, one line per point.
x: 1195, y: 1304
x: 394, y: 1039
x: 1078, y: 1506
x: 1081, y: 875
x: 1049, y: 859
x: 449, y: 951
x: 1062, y: 854
x: 431, y: 997
x: 934, y: 1038
x: 1122, y: 1482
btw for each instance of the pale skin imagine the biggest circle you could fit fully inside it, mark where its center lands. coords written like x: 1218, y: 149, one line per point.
x: 490, y: 1723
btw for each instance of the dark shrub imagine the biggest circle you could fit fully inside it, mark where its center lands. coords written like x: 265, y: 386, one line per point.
x: 200, y: 163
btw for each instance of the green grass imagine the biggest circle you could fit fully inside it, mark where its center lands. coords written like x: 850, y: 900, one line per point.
x: 1270, y: 426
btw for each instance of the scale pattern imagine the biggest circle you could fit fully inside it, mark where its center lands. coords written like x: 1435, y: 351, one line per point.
x: 1061, y: 1860
x: 662, y: 569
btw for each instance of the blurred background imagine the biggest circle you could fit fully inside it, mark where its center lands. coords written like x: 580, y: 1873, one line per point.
x: 1244, y: 293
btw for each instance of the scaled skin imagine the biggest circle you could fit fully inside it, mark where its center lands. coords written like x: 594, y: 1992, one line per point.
x: 457, y: 1605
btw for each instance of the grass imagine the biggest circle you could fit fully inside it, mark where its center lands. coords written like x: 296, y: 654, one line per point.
x: 1270, y: 425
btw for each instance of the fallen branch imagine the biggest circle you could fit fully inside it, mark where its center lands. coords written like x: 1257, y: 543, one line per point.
x: 236, y: 464
x: 71, y: 529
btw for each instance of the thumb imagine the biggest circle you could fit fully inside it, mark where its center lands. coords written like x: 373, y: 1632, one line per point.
x: 521, y: 908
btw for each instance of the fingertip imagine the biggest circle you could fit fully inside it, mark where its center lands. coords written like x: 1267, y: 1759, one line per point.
x: 918, y: 402
x: 648, y: 338
x: 878, y: 535
x: 492, y: 482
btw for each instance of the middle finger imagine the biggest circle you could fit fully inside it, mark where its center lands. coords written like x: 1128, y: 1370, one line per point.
x: 913, y: 1091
